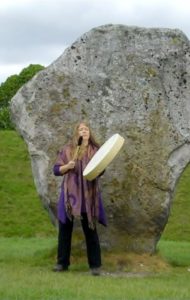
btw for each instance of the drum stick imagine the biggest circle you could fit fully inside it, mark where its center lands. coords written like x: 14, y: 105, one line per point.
x: 75, y: 156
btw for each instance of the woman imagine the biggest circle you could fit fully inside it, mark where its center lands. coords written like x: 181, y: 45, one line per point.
x: 78, y: 198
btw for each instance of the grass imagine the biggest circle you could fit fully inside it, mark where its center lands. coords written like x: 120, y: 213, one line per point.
x: 26, y: 274
x: 21, y: 212
x: 178, y: 227
x: 177, y: 254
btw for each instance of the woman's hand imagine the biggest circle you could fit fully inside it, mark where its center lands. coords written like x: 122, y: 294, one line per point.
x: 63, y: 169
x: 71, y: 164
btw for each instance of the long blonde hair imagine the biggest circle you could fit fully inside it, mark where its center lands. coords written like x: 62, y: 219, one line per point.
x: 75, y: 137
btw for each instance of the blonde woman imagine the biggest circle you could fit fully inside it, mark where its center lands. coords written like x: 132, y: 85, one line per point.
x: 78, y: 198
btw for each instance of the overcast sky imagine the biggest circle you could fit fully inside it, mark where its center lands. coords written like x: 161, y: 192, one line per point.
x: 38, y: 31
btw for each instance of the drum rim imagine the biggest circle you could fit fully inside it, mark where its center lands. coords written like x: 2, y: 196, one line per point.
x: 106, y: 160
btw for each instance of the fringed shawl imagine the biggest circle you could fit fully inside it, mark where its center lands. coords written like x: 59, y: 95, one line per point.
x: 77, y: 190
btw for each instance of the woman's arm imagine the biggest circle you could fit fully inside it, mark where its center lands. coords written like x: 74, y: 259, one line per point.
x: 60, y: 170
x: 65, y: 168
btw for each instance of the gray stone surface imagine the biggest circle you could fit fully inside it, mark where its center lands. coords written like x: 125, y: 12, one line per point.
x: 128, y: 80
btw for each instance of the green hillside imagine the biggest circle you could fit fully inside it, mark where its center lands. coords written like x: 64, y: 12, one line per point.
x: 178, y: 227
x: 22, y: 214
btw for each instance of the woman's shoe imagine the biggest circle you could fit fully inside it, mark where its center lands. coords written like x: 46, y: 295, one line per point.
x: 95, y: 271
x: 59, y: 268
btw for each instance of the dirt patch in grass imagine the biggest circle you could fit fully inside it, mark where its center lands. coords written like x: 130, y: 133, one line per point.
x: 126, y: 264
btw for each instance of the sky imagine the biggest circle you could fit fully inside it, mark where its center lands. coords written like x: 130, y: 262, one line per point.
x: 38, y: 31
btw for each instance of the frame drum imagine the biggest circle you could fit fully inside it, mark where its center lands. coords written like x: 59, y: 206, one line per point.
x: 103, y: 157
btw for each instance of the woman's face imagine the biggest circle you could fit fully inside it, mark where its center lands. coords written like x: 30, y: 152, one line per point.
x: 84, y: 131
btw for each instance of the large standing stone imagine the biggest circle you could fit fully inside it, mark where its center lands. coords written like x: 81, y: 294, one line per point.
x: 130, y: 80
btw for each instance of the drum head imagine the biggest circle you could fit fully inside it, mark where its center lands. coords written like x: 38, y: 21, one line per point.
x: 103, y: 157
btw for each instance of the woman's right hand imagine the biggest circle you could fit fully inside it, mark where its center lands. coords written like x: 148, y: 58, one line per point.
x: 65, y: 168
x: 71, y: 164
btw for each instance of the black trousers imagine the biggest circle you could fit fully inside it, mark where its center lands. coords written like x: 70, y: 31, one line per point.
x: 92, y: 243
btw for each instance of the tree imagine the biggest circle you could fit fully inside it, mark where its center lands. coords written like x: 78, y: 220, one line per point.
x: 5, y: 120
x: 9, y: 88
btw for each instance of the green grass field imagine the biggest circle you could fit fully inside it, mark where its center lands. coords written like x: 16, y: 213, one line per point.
x: 26, y: 274
x: 21, y: 212
x: 28, y: 247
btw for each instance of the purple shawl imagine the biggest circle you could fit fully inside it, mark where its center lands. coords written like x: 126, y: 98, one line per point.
x: 78, y: 194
